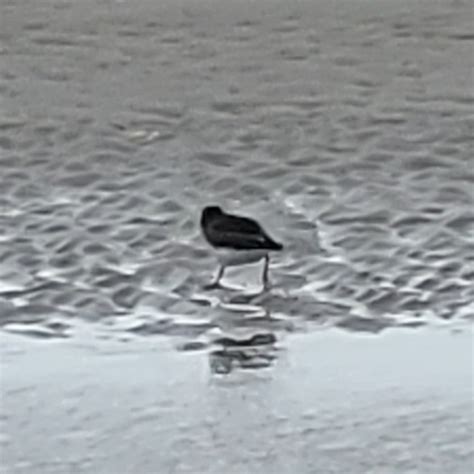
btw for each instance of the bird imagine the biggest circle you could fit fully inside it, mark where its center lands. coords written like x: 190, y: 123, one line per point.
x: 238, y: 240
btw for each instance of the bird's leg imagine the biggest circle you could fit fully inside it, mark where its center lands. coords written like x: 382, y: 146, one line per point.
x: 216, y: 282
x: 219, y: 275
x: 265, y: 280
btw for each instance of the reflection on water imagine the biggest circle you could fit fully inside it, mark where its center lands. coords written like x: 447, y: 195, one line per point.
x: 255, y: 352
x: 224, y: 361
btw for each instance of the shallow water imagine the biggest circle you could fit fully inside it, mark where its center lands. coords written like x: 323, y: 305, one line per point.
x: 393, y: 403
x: 348, y: 132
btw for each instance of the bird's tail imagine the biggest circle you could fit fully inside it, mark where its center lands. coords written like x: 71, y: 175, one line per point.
x: 272, y: 245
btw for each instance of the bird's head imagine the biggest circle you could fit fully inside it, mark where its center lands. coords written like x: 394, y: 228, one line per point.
x: 209, y: 212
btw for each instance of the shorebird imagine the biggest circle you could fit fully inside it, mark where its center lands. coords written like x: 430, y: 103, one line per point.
x: 238, y: 240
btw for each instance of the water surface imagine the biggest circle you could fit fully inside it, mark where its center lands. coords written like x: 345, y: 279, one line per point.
x: 393, y: 403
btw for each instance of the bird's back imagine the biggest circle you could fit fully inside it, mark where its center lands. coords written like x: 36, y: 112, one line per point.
x: 238, y: 232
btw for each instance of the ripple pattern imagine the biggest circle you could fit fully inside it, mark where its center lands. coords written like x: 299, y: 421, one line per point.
x: 348, y: 135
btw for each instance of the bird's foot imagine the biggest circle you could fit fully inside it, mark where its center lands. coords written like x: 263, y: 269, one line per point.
x: 213, y: 285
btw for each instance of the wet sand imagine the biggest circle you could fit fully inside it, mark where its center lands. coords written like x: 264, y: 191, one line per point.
x: 347, y: 132
x: 333, y: 402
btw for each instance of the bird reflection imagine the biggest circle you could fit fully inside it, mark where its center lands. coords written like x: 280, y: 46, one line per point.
x: 255, y: 352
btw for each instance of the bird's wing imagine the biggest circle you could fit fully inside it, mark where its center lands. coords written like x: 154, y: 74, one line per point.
x: 238, y: 233
x: 243, y: 225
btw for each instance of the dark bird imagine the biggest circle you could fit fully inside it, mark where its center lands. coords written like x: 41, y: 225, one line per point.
x: 237, y: 240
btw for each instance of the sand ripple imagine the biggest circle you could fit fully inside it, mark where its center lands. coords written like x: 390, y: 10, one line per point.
x: 350, y: 138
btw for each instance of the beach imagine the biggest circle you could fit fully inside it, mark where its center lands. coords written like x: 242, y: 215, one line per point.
x: 344, y: 128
